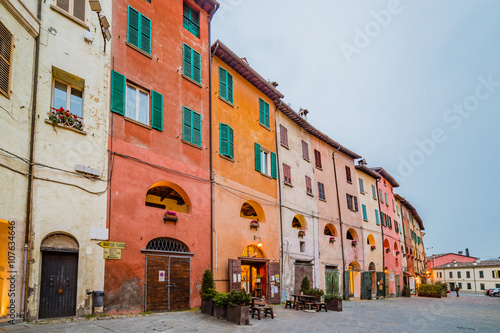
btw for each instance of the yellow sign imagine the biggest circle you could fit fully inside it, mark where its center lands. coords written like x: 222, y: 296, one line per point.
x: 112, y: 245
x: 112, y: 253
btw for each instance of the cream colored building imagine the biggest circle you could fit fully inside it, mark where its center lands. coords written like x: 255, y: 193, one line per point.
x: 70, y: 161
x: 18, y: 32
x: 475, y: 276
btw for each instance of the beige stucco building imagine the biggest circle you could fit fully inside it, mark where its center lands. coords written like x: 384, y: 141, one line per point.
x: 68, y: 212
x: 18, y: 32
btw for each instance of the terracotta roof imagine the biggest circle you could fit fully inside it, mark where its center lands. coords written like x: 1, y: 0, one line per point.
x: 434, y: 256
x: 243, y: 69
x: 386, y: 175
x: 368, y: 171
x: 412, y: 209
x: 482, y: 263
x: 294, y: 116
x: 210, y: 6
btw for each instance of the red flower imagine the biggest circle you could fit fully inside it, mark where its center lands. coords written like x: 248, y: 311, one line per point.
x: 61, y: 109
x: 67, y: 113
x: 60, y: 116
x: 75, y: 116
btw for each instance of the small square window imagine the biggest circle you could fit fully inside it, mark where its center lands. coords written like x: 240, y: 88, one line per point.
x: 469, y: 286
x: 481, y: 274
x: 137, y: 104
x: 482, y: 286
x: 68, y: 97
x: 302, y: 246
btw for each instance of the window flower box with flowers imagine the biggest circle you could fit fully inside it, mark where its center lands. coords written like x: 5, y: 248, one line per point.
x: 397, y: 253
x: 387, y: 250
x: 332, y: 239
x: 302, y: 233
x: 66, y: 118
x: 354, y: 243
x: 254, y: 224
x: 170, y: 216
x: 373, y: 247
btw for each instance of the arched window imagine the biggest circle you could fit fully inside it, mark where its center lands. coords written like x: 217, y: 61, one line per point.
x: 299, y: 222
x: 351, y: 234
x: 167, y: 195
x: 370, y: 240
x: 386, y: 244
x: 167, y: 244
x: 330, y: 230
x: 59, y: 242
x: 253, y: 211
x: 354, y: 266
x: 252, y: 251
x: 395, y: 246
x: 371, y: 267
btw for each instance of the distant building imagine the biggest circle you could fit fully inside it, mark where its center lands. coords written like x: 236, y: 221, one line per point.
x: 476, y: 276
x: 444, y: 258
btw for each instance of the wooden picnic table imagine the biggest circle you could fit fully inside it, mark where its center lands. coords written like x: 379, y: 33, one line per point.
x: 306, y: 298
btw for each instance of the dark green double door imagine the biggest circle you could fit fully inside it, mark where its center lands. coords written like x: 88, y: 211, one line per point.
x: 331, y: 281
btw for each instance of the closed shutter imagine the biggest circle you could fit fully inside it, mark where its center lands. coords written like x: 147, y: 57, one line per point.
x: 308, y: 185
x: 133, y: 26
x: 6, y: 46
x: 348, y: 174
x: 361, y: 186
x: 377, y: 218
x: 79, y: 9
x: 257, y: 151
x: 349, y: 201
x: 196, y: 128
x: 117, y: 93
x: 381, y: 196
x: 196, y: 66
x: 262, y: 113
x: 284, y: 135
x: 145, y: 34
x: 317, y: 158
x: 305, y: 150
x: 287, y: 174
x: 321, y: 191
x: 231, y: 142
x: 365, y: 217
x: 224, y: 147
x: 187, y: 124
x: 229, y: 88
x: 187, y: 61
x: 355, y: 203
x: 222, y: 83
x: 156, y: 110
x: 386, y: 201
x: 274, y: 166
x: 374, y: 192
x: 268, y: 118
x: 63, y: 4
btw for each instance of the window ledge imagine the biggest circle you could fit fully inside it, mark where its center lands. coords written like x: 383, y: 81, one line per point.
x: 306, y: 159
x: 350, y: 182
x: 72, y: 18
x: 365, y: 220
x: 363, y: 193
x: 264, y: 126
x: 65, y: 127
x: 317, y: 167
x: 310, y: 194
x: 324, y: 200
x: 224, y: 100
x: 137, y: 122
x: 192, y: 144
x: 227, y: 158
x: 288, y: 184
x: 191, y: 80
x: 266, y: 175
x: 284, y: 146
x: 138, y: 50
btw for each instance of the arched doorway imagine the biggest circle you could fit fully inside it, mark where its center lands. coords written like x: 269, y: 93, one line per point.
x: 372, y: 269
x: 4, y: 268
x: 59, y: 278
x: 354, y: 279
x: 168, y: 275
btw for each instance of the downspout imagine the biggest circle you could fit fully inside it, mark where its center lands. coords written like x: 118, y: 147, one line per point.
x: 282, y: 267
x: 29, y: 199
x: 382, y: 230
x: 474, y: 275
x: 212, y: 227
x: 340, y: 219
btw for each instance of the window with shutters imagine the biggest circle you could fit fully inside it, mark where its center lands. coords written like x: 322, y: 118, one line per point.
x: 137, y: 107
x: 321, y: 191
x: 352, y: 202
x: 138, y: 30
x: 287, y: 174
x: 74, y: 8
x: 191, y: 20
x: 365, y: 215
x: 381, y: 196
x: 264, y: 113
x: 374, y: 192
x: 191, y: 67
x: 361, y: 186
x: 309, y: 189
x: 283, y: 136
x: 191, y: 126
x: 386, y: 201
x: 377, y: 217
x: 225, y: 85
x: 348, y: 174
x: 226, y: 141
x: 6, y: 46
x: 317, y: 159
x: 265, y: 161
x: 305, y: 150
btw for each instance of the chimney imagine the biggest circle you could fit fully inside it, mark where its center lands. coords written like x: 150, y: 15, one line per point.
x: 274, y: 83
x: 454, y: 261
x: 245, y: 61
x: 460, y: 252
x: 362, y: 162
x: 303, y: 113
x: 467, y: 252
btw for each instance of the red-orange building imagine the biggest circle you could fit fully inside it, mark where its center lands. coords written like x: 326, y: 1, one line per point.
x: 160, y: 154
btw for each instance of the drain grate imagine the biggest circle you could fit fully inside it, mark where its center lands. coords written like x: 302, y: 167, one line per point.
x: 466, y: 328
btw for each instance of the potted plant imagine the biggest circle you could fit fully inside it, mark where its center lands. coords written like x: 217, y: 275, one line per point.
x: 254, y: 224
x: 220, y: 305
x: 64, y: 117
x: 258, y: 277
x: 207, y: 293
x: 333, y: 302
x: 332, y: 239
x: 406, y: 291
x: 170, y: 216
x: 237, y: 307
x: 354, y: 243
x: 373, y: 247
x: 302, y: 233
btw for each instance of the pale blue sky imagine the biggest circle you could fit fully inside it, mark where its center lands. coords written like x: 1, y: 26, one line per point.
x: 379, y: 91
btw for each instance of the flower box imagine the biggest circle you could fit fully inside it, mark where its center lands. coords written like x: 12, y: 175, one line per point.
x: 387, y: 250
x: 238, y: 314
x: 333, y: 304
x: 397, y: 252
x: 66, y: 118
x: 254, y: 225
x: 373, y: 247
x: 302, y: 233
x: 170, y: 216
x: 332, y: 239
x: 354, y: 243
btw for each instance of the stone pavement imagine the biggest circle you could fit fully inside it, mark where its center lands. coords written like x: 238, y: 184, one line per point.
x: 467, y: 313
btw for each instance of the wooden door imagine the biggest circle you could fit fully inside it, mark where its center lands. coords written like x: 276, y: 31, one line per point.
x: 366, y: 285
x: 234, y: 274
x: 380, y: 284
x: 398, y: 286
x: 58, y: 284
x: 331, y: 281
x: 302, y: 270
x: 347, y: 277
x: 274, y: 292
x: 167, y: 283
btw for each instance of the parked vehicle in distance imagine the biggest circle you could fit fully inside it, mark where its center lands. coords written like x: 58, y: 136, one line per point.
x: 488, y: 291
x: 494, y: 292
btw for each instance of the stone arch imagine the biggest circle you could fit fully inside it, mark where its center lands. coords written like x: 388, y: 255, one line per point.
x: 167, y: 244
x: 386, y: 244
x: 252, y: 210
x: 253, y: 251
x: 330, y: 230
x: 370, y: 240
x: 299, y: 222
x: 396, y: 247
x: 169, y: 196
x: 59, y: 242
x: 351, y: 234
x: 371, y: 267
x: 354, y: 266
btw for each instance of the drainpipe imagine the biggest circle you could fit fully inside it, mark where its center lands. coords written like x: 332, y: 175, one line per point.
x: 382, y: 230
x: 282, y: 267
x: 474, y: 275
x: 29, y: 199
x: 340, y: 218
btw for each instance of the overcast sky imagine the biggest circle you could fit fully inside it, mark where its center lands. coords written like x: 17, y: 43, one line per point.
x: 412, y: 86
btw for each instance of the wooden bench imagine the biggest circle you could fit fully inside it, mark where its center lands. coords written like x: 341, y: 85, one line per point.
x: 320, y: 305
x: 266, y: 309
x: 290, y: 304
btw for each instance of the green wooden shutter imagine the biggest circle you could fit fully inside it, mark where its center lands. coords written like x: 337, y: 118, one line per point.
x: 377, y: 218
x: 262, y: 115
x: 266, y: 112
x: 133, y: 26
x: 386, y: 201
x: 187, y: 61
x: 118, y: 83
x: 156, y: 110
x: 274, y: 167
x: 145, y: 39
x: 224, y: 149
x: 196, y: 67
x: 365, y: 217
x: 229, y: 87
x: 186, y: 128
x: 361, y: 186
x: 222, y: 83
x: 381, y: 196
x: 196, y: 128
x: 374, y: 192
x: 231, y: 142
x: 257, y: 157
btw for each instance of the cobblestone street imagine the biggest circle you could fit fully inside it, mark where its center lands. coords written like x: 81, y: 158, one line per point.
x: 467, y: 313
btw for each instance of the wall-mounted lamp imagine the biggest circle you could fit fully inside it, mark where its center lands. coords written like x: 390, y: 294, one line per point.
x: 259, y: 245
x: 104, y: 21
x: 95, y: 6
